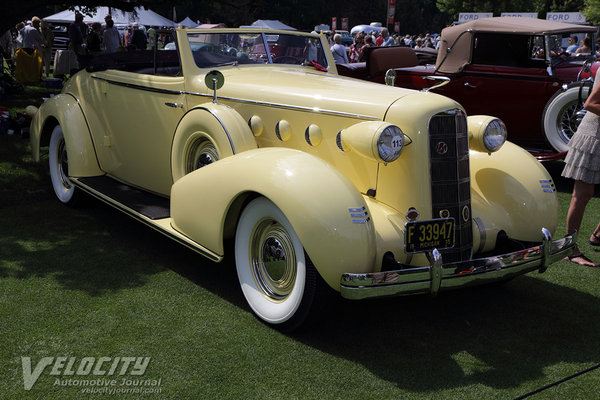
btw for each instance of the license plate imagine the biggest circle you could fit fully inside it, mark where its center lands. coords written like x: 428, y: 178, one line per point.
x: 428, y: 235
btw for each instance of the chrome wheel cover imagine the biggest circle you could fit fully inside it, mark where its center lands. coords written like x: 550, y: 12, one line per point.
x: 201, y: 153
x: 273, y: 260
x: 62, y: 163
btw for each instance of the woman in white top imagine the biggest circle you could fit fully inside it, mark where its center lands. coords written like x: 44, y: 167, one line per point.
x: 339, y: 50
x: 111, y: 36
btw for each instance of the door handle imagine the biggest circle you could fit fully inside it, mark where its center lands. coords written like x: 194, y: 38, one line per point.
x: 174, y: 105
x: 467, y: 84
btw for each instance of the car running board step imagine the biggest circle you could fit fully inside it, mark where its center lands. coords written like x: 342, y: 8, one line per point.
x: 147, y: 204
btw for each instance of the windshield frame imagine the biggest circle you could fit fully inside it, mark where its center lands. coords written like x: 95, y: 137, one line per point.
x: 285, y: 40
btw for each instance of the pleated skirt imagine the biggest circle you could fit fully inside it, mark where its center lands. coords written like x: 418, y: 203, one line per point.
x: 583, y: 159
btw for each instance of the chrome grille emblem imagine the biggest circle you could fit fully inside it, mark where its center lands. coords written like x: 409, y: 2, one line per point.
x: 441, y: 148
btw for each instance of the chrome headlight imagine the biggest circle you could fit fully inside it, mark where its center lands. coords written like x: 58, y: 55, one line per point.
x: 486, y: 134
x: 494, y: 135
x: 390, y: 143
x: 376, y: 140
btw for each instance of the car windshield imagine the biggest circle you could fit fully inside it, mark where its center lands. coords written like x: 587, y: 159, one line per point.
x: 218, y: 49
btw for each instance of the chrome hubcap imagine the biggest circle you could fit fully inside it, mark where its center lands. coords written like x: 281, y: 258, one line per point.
x: 568, y: 122
x: 273, y: 260
x: 62, y: 164
x: 202, y: 153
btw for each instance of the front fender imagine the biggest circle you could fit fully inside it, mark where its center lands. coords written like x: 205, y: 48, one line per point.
x: 64, y: 110
x: 513, y: 192
x: 314, y: 196
x: 220, y: 124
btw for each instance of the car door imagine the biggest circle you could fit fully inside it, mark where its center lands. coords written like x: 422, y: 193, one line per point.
x: 140, y: 111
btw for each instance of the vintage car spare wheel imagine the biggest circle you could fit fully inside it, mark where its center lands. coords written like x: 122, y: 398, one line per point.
x: 276, y: 276
x: 59, y: 168
x: 560, y: 116
x: 208, y: 133
x: 201, y: 152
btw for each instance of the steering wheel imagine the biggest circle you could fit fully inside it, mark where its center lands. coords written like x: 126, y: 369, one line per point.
x: 287, y: 60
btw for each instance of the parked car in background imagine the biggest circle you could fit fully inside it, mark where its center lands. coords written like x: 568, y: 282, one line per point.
x: 514, y: 68
x: 61, y: 39
x: 321, y: 182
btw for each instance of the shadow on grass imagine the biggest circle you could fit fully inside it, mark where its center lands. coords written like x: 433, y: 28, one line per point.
x: 87, y: 249
x: 497, y: 336
x: 22, y: 180
x: 500, y: 336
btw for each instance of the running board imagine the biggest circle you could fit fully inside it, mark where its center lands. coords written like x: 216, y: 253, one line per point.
x: 148, y: 208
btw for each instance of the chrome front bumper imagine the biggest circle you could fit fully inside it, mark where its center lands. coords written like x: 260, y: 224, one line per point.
x: 437, y: 276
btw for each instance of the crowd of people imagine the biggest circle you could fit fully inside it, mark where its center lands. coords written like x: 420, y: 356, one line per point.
x: 31, y: 41
x: 356, y: 51
x: 106, y: 39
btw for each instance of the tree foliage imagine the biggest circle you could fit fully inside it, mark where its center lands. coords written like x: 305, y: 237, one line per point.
x: 592, y: 11
x: 414, y: 16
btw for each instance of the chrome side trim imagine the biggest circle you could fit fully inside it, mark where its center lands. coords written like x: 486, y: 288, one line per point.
x: 139, y: 87
x: 419, y: 280
x: 315, y: 110
x: 222, y: 125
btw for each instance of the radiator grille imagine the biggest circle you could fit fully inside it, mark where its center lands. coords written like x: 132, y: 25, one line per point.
x: 450, y: 179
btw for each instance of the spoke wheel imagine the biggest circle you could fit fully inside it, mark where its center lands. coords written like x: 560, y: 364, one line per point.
x: 560, y: 120
x: 567, y: 121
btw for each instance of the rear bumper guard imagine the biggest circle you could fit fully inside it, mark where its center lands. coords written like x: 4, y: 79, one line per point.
x: 437, y: 276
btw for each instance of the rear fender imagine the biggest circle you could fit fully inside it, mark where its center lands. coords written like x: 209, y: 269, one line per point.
x: 64, y: 110
x: 314, y: 196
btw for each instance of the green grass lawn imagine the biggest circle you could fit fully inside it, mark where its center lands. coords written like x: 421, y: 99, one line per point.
x: 90, y: 282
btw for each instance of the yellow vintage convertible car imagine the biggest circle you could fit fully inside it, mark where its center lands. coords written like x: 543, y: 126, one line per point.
x: 321, y: 181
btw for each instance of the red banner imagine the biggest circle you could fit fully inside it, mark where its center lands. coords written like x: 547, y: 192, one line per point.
x: 391, y: 12
x: 345, y: 24
x: 333, y: 23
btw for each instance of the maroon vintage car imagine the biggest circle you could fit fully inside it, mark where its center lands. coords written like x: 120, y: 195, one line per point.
x: 513, y: 68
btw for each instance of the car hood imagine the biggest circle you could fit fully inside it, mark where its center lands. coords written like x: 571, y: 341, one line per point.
x: 302, y: 87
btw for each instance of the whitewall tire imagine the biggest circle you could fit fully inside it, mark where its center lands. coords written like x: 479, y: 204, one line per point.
x: 275, y: 275
x: 560, y: 116
x: 59, y: 168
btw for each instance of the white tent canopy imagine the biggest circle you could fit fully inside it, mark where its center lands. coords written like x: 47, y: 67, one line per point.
x: 269, y: 24
x: 188, y: 23
x: 142, y: 16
